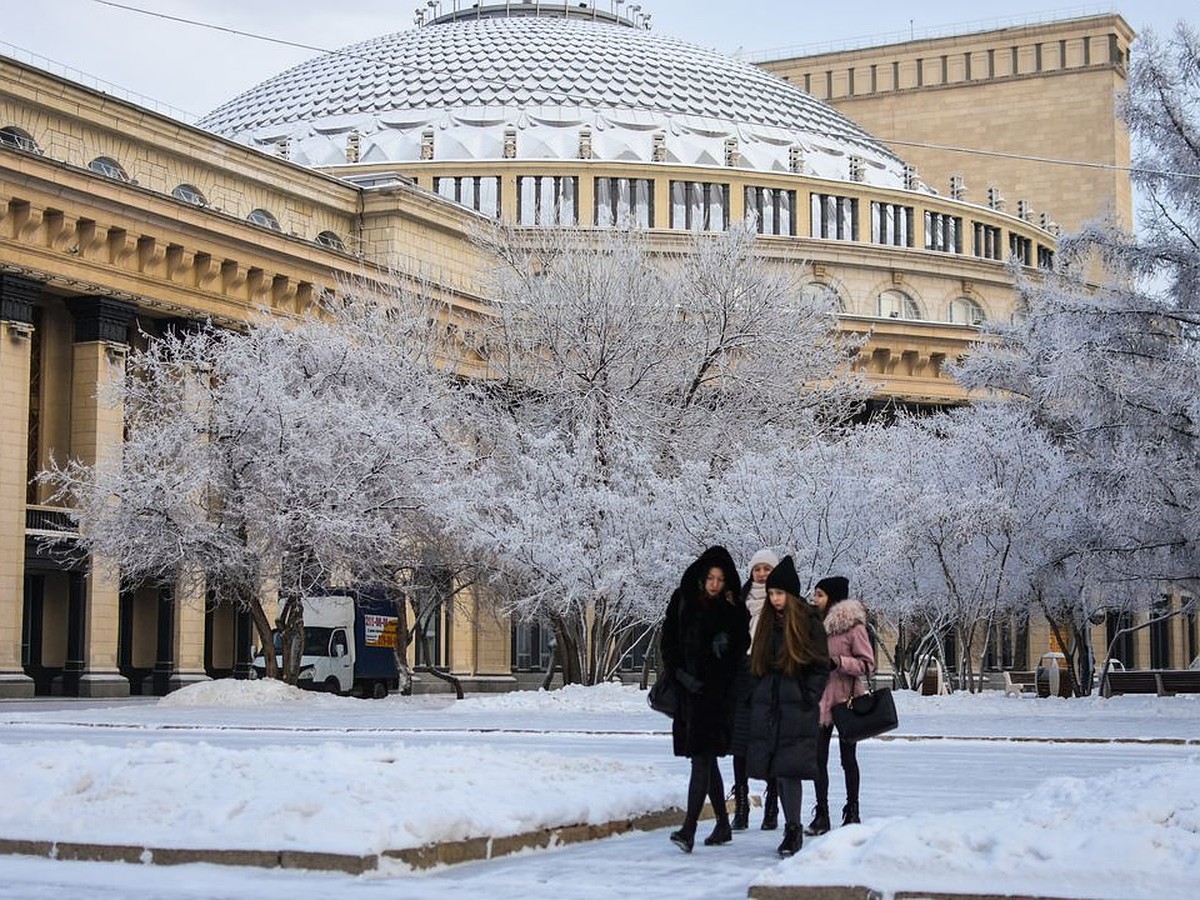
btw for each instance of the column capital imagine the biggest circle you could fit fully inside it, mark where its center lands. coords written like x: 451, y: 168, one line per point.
x: 101, y: 319
x: 17, y: 296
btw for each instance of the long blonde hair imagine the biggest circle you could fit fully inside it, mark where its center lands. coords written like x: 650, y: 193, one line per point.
x: 798, y: 647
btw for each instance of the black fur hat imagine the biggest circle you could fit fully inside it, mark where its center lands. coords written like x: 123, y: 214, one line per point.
x: 836, y: 588
x: 784, y: 578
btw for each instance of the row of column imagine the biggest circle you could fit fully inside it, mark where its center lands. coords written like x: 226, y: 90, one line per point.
x: 93, y: 619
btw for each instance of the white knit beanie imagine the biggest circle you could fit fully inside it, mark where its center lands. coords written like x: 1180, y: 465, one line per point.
x: 763, y: 556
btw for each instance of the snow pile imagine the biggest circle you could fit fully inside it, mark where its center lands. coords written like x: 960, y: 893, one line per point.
x: 1134, y: 834
x: 319, y: 796
x: 232, y: 692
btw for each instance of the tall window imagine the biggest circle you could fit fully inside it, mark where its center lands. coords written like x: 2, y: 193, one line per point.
x: 1045, y: 257
x: 987, y: 241
x: 624, y: 201
x: 1160, y: 635
x: 547, y: 200
x: 943, y: 232
x: 699, y: 206
x: 891, y: 224
x: 895, y: 304
x: 773, y: 210
x: 1021, y: 248
x: 479, y: 193
x: 532, y: 649
x: 1124, y: 650
x: 834, y: 217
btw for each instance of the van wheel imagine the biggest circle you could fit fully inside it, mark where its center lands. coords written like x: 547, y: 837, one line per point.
x: 332, y: 686
x: 379, y: 690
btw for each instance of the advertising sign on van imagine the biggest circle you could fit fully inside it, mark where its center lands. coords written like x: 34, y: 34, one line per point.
x: 380, y: 631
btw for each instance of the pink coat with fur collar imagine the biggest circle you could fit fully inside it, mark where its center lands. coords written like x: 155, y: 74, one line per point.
x: 850, y: 648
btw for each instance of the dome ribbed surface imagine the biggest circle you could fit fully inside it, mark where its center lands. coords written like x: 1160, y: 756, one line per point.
x: 471, y: 79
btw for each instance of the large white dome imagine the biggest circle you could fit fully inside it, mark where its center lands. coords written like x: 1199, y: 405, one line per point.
x: 547, y: 77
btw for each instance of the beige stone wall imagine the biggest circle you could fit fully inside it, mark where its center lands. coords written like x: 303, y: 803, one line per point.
x: 1045, y: 91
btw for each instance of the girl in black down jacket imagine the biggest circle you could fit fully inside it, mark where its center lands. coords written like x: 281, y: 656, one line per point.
x: 705, y: 632
x: 790, y: 660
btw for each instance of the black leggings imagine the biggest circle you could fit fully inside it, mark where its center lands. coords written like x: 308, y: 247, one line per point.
x: 705, y: 784
x: 849, y: 756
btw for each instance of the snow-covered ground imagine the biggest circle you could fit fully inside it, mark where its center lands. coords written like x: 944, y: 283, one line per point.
x: 1083, y: 798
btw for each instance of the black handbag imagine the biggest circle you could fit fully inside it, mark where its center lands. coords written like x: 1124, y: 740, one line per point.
x: 866, y: 716
x: 664, y: 695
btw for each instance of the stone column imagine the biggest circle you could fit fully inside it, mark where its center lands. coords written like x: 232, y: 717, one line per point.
x: 17, y: 297
x: 97, y: 430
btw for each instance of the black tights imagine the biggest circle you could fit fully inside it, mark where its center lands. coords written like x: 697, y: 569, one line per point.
x: 705, y: 784
x: 849, y: 756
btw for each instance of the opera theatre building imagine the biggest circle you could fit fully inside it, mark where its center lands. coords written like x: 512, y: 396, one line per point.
x: 117, y: 222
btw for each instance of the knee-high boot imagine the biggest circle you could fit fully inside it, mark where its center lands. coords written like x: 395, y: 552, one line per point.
x: 771, y: 807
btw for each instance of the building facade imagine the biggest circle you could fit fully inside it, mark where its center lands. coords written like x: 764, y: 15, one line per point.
x: 116, y: 222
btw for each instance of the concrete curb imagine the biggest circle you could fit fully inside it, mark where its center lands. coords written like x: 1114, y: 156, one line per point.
x: 473, y: 849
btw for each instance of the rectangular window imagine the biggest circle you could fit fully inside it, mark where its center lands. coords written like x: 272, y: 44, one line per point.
x: 834, y: 217
x: 699, y: 206
x: 481, y: 194
x: 987, y: 241
x: 1114, y: 624
x: 1160, y: 635
x: 891, y: 224
x: 547, y: 200
x: 624, y: 202
x: 943, y: 232
x: 1021, y: 248
x: 773, y: 210
x: 1045, y: 257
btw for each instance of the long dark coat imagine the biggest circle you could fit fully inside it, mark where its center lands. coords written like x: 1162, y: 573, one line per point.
x: 785, y: 713
x: 705, y: 637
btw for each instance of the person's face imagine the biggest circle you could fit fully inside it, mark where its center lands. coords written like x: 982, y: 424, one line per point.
x: 714, y: 583
x: 777, y: 599
x: 760, y: 572
x: 820, y: 600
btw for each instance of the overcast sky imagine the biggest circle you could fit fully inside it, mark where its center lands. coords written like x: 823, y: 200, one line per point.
x: 194, y: 68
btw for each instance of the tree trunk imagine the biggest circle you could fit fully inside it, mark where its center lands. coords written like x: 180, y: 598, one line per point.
x: 251, y: 603
x: 291, y: 630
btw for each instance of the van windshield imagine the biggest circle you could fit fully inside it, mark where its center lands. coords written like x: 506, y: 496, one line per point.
x: 316, y: 642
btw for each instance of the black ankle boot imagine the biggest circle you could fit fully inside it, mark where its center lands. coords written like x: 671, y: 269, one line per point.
x: 741, y: 807
x: 685, y: 837
x: 721, y: 834
x: 850, y: 814
x: 820, y: 821
x: 793, y: 839
x: 771, y: 808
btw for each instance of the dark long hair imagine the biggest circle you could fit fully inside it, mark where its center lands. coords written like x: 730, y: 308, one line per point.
x: 798, y: 648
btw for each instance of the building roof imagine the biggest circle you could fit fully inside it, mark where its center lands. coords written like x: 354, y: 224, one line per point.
x: 547, y: 79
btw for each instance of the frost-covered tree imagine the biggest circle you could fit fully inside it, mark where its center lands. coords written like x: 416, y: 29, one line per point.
x: 621, y: 380
x: 973, y: 509
x: 1108, y: 370
x: 284, y: 457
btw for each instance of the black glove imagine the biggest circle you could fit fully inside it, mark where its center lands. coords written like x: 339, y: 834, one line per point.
x: 690, y: 682
x: 720, y: 643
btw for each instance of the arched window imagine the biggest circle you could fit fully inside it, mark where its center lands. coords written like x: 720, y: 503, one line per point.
x: 263, y: 219
x: 331, y: 240
x: 189, y: 194
x: 109, y: 168
x: 18, y: 139
x: 895, y: 304
x: 819, y: 294
x: 965, y: 311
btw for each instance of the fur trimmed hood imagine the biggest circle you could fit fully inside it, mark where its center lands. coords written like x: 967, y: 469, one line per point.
x: 843, y: 616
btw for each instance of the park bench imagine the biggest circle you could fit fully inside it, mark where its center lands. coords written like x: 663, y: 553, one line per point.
x: 1018, y: 683
x: 1163, y: 682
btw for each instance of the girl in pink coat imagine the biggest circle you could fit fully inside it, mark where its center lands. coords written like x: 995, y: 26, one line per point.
x: 851, y: 659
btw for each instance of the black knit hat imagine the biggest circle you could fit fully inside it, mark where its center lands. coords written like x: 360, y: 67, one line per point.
x: 836, y: 588
x: 784, y: 578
